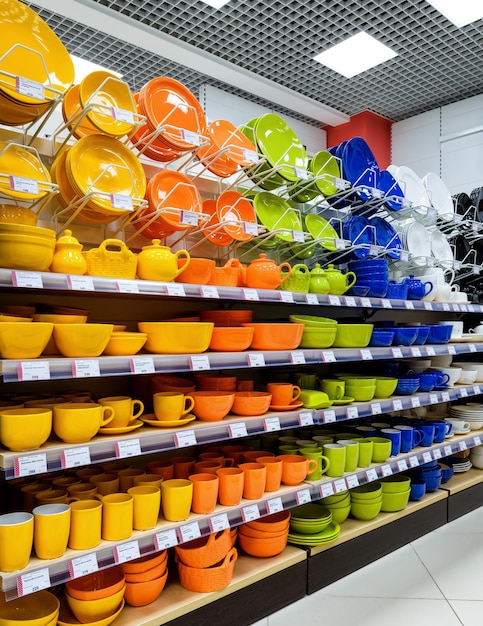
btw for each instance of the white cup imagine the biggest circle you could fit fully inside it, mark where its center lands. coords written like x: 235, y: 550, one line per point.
x: 478, y: 330
x: 443, y: 293
x: 459, y: 425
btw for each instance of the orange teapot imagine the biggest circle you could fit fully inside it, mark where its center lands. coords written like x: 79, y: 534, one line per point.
x: 263, y: 273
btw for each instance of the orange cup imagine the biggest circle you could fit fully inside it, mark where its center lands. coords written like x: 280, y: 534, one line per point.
x: 205, y: 492
x: 252, y: 456
x: 207, y: 467
x: 62, y: 482
x: 230, y: 490
x: 163, y: 468
x: 295, y: 468
x: 52, y: 496
x: 255, y: 480
x: 215, y: 456
x: 274, y: 467
x: 235, y: 452
x: 183, y: 466
x: 283, y: 394
x: 28, y: 501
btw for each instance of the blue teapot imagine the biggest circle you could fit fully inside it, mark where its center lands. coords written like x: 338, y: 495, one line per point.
x: 417, y: 290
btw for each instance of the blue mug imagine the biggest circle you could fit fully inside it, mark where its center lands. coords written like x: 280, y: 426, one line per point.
x: 366, y: 431
x: 410, y: 437
x: 428, y: 431
x: 441, y: 429
x: 427, y: 380
x: 441, y: 379
x: 395, y: 436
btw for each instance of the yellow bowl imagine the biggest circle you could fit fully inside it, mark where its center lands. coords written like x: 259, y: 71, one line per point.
x: 82, y: 340
x: 26, y: 229
x: 88, y: 611
x: 66, y: 618
x: 25, y: 429
x: 13, y: 318
x: 37, y: 609
x: 55, y: 318
x: 26, y: 252
x: 177, y: 337
x: 23, y: 340
x: 122, y: 343
x: 11, y: 214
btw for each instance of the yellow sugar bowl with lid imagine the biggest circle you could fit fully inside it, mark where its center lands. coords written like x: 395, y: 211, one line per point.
x: 68, y: 258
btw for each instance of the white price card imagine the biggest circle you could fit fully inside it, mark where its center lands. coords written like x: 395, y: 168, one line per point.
x: 33, y: 581
x: 121, y: 201
x: 433, y: 398
x: 447, y: 451
x: 376, y: 408
x: 29, y: 465
x: 306, y: 419
x: 415, y: 351
x: 464, y: 308
x: 142, y: 365
x: 30, y: 280
x: 122, y: 115
x: 191, y: 137
x: 476, y: 389
x: 250, y: 513
x: 404, y: 255
x: 199, y: 362
x: 24, y: 185
x: 429, y: 262
x: 339, y: 244
x: 462, y: 445
x: 350, y: 301
x: 297, y: 357
x: 386, y: 470
x: 127, y: 448
x: 413, y: 461
x: 127, y: 286
x: 250, y: 155
x: 311, y: 298
x: 430, y: 351
x: 437, y: 454
x: 326, y: 490
x: 352, y: 481
x: 175, y: 289
x: 33, y: 370
x: 83, y: 565
x: 402, y: 465
x: 366, y: 355
x: 298, y: 236
x: 334, y: 300
x: 274, y: 505
x: 397, y: 405
x: 271, y: 424
x: 190, y: 218
x: 75, y: 457
x: 408, y: 304
x: 250, y: 228
x: 328, y: 416
x: 303, y: 496
x: 471, y: 347
x: 415, y: 402
x: 352, y: 412
x: 386, y: 304
x: 463, y: 392
x: 477, y: 441
x: 340, y: 183
x: 428, y: 306
x: 366, y: 302
x: 427, y: 456
x: 250, y: 294
x: 189, y: 532
x: 29, y: 87
x: 451, y: 350
x: 185, y: 439
x: 85, y: 368
x: 127, y: 552
x: 328, y: 356
x: 237, y: 430
x: 372, y: 474
x: 340, y: 485
x: 80, y: 283
x: 165, y: 539
x: 445, y: 397
x: 397, y: 353
x: 209, y: 291
x: 446, y: 306
x: 219, y: 522
x: 301, y: 173
x: 256, y: 359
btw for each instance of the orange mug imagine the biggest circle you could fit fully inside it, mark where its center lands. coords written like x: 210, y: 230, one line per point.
x: 274, y: 467
x: 254, y: 480
x: 295, y: 468
x: 283, y: 394
x: 230, y: 490
x: 205, y: 492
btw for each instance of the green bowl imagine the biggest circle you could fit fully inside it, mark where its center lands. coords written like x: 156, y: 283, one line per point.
x: 339, y: 505
x: 310, y: 529
x: 367, y: 491
x: 385, y: 387
x: 340, y: 514
x: 309, y: 511
x: 353, y: 335
x: 368, y: 501
x: 318, y: 336
x: 360, y: 394
x: 381, y: 450
x: 365, y: 512
x: 337, y: 497
x: 395, y: 483
x: 313, y: 320
x: 397, y: 501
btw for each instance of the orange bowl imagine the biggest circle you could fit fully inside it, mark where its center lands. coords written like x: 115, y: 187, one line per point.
x: 141, y: 594
x: 227, y: 318
x: 212, y: 406
x: 96, y: 585
x: 211, y: 382
x: 263, y: 547
x: 262, y: 534
x: 144, y: 563
x: 251, y: 402
x: 275, y: 336
x: 275, y: 522
x: 198, y: 271
x: 166, y: 382
x: 150, y: 574
x: 231, y: 339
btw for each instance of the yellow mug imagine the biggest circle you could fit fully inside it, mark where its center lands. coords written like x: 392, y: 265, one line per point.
x: 126, y: 477
x: 176, y: 497
x: 117, y: 516
x: 51, y: 530
x: 16, y: 540
x: 105, y: 483
x: 126, y: 410
x: 148, y: 480
x: 170, y: 406
x: 85, y: 524
x: 82, y: 491
x: 147, y: 502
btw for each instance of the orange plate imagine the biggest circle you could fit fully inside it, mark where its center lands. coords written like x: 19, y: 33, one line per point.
x: 218, y: 237
x: 233, y: 206
x: 172, y: 190
x: 223, y: 133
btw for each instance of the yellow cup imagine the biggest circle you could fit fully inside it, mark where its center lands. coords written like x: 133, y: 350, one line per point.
x: 76, y: 422
x: 117, y: 516
x: 16, y: 540
x: 148, y: 480
x: 126, y: 410
x: 85, y: 524
x: 170, y: 406
x: 82, y: 491
x: 126, y: 477
x: 105, y: 483
x: 147, y: 502
x: 51, y: 530
x: 176, y: 496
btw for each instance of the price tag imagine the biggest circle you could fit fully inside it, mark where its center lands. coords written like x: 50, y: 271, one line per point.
x: 175, y: 289
x: 185, y: 439
x: 445, y: 397
x: 126, y: 552
x: 416, y: 352
x: 451, y: 350
x: 397, y: 353
x: 334, y: 300
x: 397, y: 405
x: 142, y: 365
x: 350, y: 301
x: 328, y: 356
x: 445, y: 306
x: 250, y: 294
x: 433, y: 398
x: 366, y: 302
x: 80, y: 283
x: 464, y: 308
x: 85, y: 368
x: 476, y: 389
x: 447, y: 451
x: 30, y: 88
x: 340, y: 485
x: 326, y: 490
x: 189, y: 217
x: 352, y: 481
x: 25, y: 185
x: 250, y: 156
x: 428, y: 306
x: 30, y: 465
x: 298, y: 236
x: 120, y: 201
x: 297, y: 358
x: 256, y: 359
x: 437, y: 454
x: 33, y: 581
x: 471, y: 347
x: 329, y: 416
x: 286, y: 296
x: 191, y: 137
x: 301, y: 173
x: 237, y: 430
x: 271, y: 424
x: 27, y: 279
x: 352, y: 412
x: 311, y: 298
x: 303, y: 496
x: 456, y: 308
x: 165, y: 539
x: 199, y: 362
x: 415, y: 402
x: 408, y: 304
x: 127, y: 448
x: 463, y: 393
x: 462, y: 445
x: 386, y: 304
x: 83, y: 565
x: 477, y: 441
x: 339, y: 244
x: 33, y: 370
x: 372, y: 474
x: 366, y: 355
x: 339, y: 183
x: 427, y: 457
x: 430, y: 351
x: 127, y: 286
x: 189, y: 532
x: 404, y: 255
x: 121, y: 115
x: 75, y: 457
x: 250, y: 513
x: 402, y: 465
x: 275, y: 505
x: 306, y: 419
x: 386, y: 470
x: 250, y: 228
x: 219, y: 522
x: 376, y: 408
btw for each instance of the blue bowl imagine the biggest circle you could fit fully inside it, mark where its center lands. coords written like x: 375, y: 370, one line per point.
x: 369, y: 264
x: 422, y: 336
x: 377, y: 288
x: 432, y: 483
x: 381, y: 338
x: 439, y: 334
x: 418, y: 489
x: 406, y: 388
x: 405, y: 335
x: 357, y: 290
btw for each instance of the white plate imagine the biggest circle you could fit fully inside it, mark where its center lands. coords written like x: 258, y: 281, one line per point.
x: 439, y: 195
x: 412, y: 187
x: 418, y: 241
x: 440, y: 247
x: 467, y: 338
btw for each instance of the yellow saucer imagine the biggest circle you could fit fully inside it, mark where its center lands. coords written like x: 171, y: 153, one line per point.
x: 121, y: 429
x: 168, y: 424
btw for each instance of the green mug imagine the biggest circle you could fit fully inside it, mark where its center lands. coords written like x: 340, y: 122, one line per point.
x: 336, y: 454
x: 365, y: 452
x: 334, y: 388
x: 288, y: 449
x: 351, y: 454
x: 323, y: 462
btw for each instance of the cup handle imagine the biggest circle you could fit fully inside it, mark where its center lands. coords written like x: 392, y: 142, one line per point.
x: 186, y: 255
x: 418, y: 433
x: 325, y: 464
x: 426, y: 293
x: 445, y: 379
x: 354, y: 278
x: 110, y: 415
x: 191, y: 403
x: 287, y: 274
x: 449, y: 428
x: 139, y: 412
x: 312, y: 466
x: 297, y: 392
x: 228, y: 462
x: 71, y: 499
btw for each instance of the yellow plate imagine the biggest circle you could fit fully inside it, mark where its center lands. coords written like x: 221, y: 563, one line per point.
x: 121, y: 430
x: 99, y: 163
x: 169, y: 423
x: 105, y: 89
x: 21, y: 26
x: 71, y: 108
x: 20, y: 162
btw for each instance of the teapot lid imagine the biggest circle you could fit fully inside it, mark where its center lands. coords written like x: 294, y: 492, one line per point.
x: 155, y: 243
x: 262, y: 257
x: 331, y: 268
x: 317, y: 269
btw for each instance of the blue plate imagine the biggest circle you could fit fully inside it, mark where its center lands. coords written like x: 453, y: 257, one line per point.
x: 387, y: 236
x: 359, y: 166
x: 356, y: 230
x: 389, y: 186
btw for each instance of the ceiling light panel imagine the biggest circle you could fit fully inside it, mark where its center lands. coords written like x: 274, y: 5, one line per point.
x: 460, y: 12
x: 216, y: 4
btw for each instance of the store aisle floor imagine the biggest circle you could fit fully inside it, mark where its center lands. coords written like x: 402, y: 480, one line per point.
x: 436, y: 579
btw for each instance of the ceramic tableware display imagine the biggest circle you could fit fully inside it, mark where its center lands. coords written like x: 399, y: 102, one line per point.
x: 318, y: 282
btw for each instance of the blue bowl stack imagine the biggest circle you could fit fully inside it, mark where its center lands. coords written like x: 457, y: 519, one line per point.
x: 372, y: 274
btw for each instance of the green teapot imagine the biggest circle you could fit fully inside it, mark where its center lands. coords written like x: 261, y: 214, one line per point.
x: 339, y: 282
x: 318, y: 280
x: 298, y: 280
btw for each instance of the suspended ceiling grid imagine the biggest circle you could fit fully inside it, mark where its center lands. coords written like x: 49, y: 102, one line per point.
x: 437, y: 62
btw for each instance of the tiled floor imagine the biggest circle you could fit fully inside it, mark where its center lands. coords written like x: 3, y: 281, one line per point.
x: 436, y: 580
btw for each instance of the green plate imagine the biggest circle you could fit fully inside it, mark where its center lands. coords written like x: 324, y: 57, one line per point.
x: 320, y: 228
x: 280, y: 146
x: 325, y: 163
x: 258, y: 174
x: 276, y: 213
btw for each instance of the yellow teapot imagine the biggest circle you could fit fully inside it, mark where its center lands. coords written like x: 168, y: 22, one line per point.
x: 157, y: 262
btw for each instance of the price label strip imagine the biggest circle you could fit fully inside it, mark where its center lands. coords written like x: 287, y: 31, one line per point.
x: 256, y: 359
x: 329, y: 416
x: 32, y: 370
x: 126, y: 552
x: 85, y: 368
x: 142, y: 365
x: 311, y: 298
x: 326, y: 490
x: 199, y: 362
x: 83, y: 565
x: 306, y: 419
x: 237, y: 430
x: 80, y: 283
x: 185, y: 439
x: 30, y: 465
x: 352, y: 481
x: 275, y: 505
x: 297, y: 358
x: 165, y: 539
x: 127, y: 286
x: 28, y: 280
x: 271, y: 424
x: 127, y: 448
x: 340, y: 485
x: 303, y: 496
x: 75, y: 457
x: 209, y: 291
x: 219, y: 522
x: 33, y: 581
x: 250, y: 513
x: 189, y: 532
x: 386, y: 470
x: 372, y: 475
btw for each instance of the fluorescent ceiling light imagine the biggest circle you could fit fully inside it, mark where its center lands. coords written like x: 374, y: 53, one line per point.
x: 216, y: 4
x: 82, y: 68
x: 460, y: 12
x: 355, y: 55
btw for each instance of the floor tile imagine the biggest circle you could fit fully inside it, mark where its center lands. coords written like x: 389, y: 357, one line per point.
x: 470, y: 612
x: 262, y: 622
x: 470, y: 523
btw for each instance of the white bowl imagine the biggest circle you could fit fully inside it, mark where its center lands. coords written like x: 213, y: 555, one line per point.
x: 476, y: 460
x: 472, y: 366
x: 467, y: 377
x: 443, y: 360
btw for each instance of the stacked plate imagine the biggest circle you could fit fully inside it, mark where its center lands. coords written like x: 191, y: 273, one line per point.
x: 312, y: 525
x: 234, y: 211
x: 458, y: 464
x: 412, y: 186
x: 471, y: 413
x: 19, y: 162
x: 325, y: 169
x: 439, y: 196
x: 360, y: 167
x: 276, y: 214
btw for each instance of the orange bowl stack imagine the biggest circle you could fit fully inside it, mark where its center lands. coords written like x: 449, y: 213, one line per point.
x: 145, y: 578
x: 96, y: 596
x: 265, y: 537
